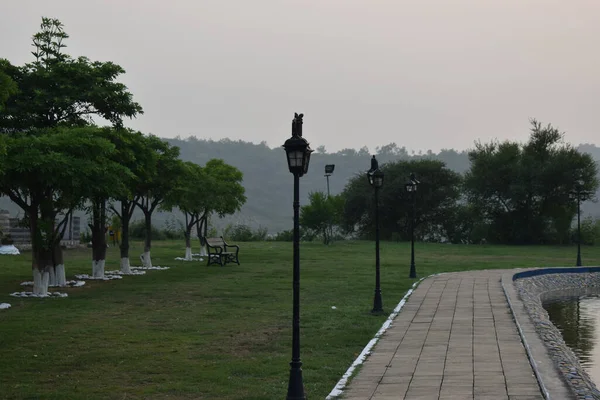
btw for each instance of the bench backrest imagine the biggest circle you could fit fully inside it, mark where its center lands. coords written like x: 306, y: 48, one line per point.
x: 215, y: 242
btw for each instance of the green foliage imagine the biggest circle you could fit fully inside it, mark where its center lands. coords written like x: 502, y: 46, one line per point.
x: 50, y: 172
x: 435, y: 200
x: 115, y: 222
x: 322, y: 215
x: 60, y: 165
x: 85, y: 236
x: 268, y: 182
x: 8, y: 87
x: 57, y: 89
x: 6, y: 239
x: 173, y: 229
x: 284, y: 236
x: 462, y: 224
x: 244, y: 233
x: 524, y: 193
x: 159, y: 175
x: 137, y: 231
x: 226, y: 195
x: 590, y: 231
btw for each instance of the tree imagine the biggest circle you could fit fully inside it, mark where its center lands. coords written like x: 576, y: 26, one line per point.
x: 56, y: 93
x: 191, y: 198
x: 157, y: 179
x: 322, y: 214
x: 7, y: 86
x: 57, y: 89
x: 112, y: 181
x: 437, y: 194
x: 136, y: 154
x: 524, y: 192
x: 224, y: 195
x: 48, y: 174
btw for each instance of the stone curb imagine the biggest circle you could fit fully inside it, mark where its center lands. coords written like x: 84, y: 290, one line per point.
x: 551, y: 380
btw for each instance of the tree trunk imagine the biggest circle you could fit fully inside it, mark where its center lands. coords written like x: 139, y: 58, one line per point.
x: 188, y: 244
x: 98, y: 238
x: 201, y: 229
x: 60, y: 278
x: 41, y: 264
x: 124, y: 246
x: 146, y: 258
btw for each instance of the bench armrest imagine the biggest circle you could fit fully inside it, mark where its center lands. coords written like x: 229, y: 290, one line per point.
x: 230, y: 245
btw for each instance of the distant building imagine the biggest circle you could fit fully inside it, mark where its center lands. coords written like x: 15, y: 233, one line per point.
x: 21, y: 236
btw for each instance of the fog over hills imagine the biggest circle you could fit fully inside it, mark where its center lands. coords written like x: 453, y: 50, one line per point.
x: 268, y: 182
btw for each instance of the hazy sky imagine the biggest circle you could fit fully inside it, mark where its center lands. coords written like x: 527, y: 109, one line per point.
x: 426, y: 74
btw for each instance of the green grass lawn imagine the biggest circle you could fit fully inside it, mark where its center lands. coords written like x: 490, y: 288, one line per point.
x: 198, y: 332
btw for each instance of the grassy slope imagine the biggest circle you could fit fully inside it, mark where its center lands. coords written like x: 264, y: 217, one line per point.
x: 216, y: 333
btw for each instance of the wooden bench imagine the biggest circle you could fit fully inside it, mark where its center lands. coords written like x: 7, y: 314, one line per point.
x: 219, y: 252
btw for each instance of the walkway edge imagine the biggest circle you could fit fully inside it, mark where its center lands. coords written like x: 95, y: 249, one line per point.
x: 550, y: 381
x: 339, y: 387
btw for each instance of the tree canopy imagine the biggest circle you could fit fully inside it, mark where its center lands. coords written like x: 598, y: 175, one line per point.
x: 436, y: 196
x: 57, y: 89
x: 524, y: 193
x: 322, y: 214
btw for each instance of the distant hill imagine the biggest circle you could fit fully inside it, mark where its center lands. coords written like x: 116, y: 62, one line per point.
x: 269, y: 184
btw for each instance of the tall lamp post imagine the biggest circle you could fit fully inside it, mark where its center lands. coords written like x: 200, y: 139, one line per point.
x: 579, y: 264
x: 579, y: 192
x: 376, y: 180
x: 328, y: 171
x: 411, y: 187
x: 298, y: 156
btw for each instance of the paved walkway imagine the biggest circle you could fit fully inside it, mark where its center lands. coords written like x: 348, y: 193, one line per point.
x: 454, y: 339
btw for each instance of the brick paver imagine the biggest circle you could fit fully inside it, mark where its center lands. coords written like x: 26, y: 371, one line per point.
x: 454, y: 339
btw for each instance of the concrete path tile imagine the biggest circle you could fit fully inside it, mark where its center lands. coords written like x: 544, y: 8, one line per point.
x: 455, y: 339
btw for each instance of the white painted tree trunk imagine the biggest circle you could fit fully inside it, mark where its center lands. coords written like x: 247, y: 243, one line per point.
x: 203, y: 252
x: 188, y: 254
x: 146, y: 259
x: 98, y: 268
x: 60, y: 276
x: 125, y: 266
x: 51, y: 277
x: 40, y: 281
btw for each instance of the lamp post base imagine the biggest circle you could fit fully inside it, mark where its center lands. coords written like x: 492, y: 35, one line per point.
x: 579, y: 264
x: 377, y: 303
x: 413, y: 271
x: 295, y: 385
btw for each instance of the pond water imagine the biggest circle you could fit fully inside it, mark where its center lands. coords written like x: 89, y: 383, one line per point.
x: 578, y: 319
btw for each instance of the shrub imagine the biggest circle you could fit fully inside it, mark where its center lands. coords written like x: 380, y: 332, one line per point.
x: 284, y: 236
x: 6, y: 240
x: 173, y: 229
x: 244, y: 233
x: 590, y: 231
x: 137, y: 230
x: 85, y: 237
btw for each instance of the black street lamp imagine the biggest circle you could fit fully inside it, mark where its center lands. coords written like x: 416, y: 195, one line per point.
x: 298, y: 156
x: 376, y: 180
x: 579, y: 264
x: 411, y: 187
x: 579, y: 192
x: 328, y: 171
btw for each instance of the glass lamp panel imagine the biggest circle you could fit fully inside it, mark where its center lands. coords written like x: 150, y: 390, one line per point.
x: 298, y: 158
x: 306, y: 159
